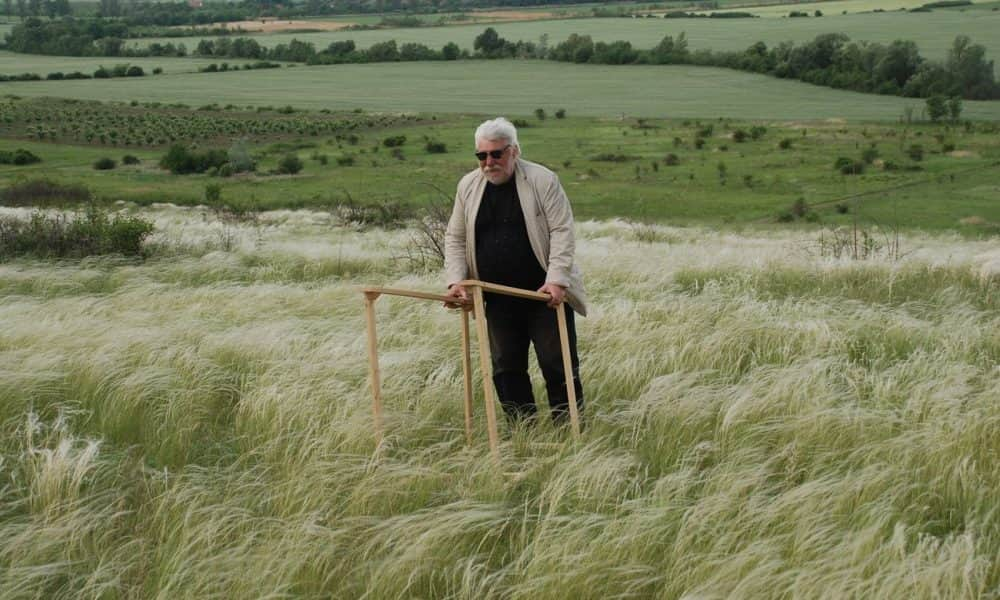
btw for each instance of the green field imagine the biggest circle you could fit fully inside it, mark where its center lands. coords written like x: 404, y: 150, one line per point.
x: 830, y: 8
x: 12, y: 63
x: 763, y: 421
x: 933, y: 32
x: 472, y: 87
x: 612, y: 168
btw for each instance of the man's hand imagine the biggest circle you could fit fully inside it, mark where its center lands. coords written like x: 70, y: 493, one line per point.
x: 555, y: 291
x: 460, y: 295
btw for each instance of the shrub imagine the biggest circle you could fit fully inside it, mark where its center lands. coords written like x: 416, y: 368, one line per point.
x: 42, y: 192
x: 128, y: 159
x: 671, y: 160
x: 785, y: 143
x: 757, y: 132
x: 213, y: 194
x: 849, y: 166
x: 346, y: 161
x: 134, y: 71
x: 869, y: 154
x: 520, y: 123
x: 610, y: 157
x: 239, y: 158
x: 105, y: 164
x: 94, y: 231
x: 58, y: 75
x: 436, y: 147
x: 290, y: 164
x: 394, y: 141
x: 740, y: 136
x: 157, y: 70
x: 18, y: 157
x: 179, y: 160
x: 540, y: 114
x: 915, y: 152
x: 561, y: 113
x: 102, y: 73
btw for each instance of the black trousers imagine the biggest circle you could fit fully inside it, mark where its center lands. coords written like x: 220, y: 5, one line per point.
x: 513, y: 324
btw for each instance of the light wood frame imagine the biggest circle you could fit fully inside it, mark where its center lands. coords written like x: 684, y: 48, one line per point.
x: 478, y: 309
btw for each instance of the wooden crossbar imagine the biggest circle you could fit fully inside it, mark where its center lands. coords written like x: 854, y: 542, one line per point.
x: 478, y: 308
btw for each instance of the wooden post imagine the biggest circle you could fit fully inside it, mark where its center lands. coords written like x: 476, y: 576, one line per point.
x: 376, y: 383
x: 467, y: 372
x: 486, y: 370
x: 574, y: 414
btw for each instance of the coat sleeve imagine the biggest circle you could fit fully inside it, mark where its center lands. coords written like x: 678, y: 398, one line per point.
x: 455, y: 265
x: 562, y: 244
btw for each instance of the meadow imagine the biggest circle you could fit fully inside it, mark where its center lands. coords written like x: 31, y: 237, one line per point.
x: 763, y: 420
x: 676, y: 91
x: 933, y: 32
x: 719, y: 172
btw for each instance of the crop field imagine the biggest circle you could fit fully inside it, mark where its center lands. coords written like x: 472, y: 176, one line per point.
x: 832, y: 7
x: 933, y: 32
x: 12, y: 63
x: 763, y: 420
x: 470, y: 87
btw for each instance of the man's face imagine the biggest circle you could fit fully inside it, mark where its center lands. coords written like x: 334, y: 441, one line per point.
x: 497, y: 170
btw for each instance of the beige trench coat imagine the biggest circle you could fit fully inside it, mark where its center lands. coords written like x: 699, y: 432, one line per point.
x: 547, y: 215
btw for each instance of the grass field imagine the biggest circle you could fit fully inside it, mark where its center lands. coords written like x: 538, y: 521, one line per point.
x: 611, y: 168
x: 470, y: 87
x: 933, y: 32
x: 12, y: 63
x: 762, y: 421
x: 834, y: 7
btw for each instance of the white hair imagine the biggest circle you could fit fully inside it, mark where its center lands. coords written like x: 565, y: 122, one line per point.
x: 497, y: 129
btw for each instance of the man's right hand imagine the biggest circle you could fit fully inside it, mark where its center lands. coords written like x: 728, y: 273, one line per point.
x: 460, y: 295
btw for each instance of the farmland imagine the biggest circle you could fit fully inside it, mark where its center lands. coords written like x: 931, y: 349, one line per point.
x: 763, y: 420
x: 933, y: 32
x: 467, y: 87
x: 14, y: 64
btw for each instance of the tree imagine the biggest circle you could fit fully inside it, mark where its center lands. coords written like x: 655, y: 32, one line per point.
x: 936, y: 108
x: 971, y: 74
x: 899, y: 63
x: 450, y: 51
x: 954, y: 108
x: 8, y: 8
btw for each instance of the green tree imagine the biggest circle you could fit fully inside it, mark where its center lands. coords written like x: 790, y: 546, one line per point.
x: 936, y: 108
x: 970, y: 72
x: 954, y: 108
x: 451, y: 51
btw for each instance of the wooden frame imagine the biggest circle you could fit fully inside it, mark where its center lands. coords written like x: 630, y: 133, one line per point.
x: 478, y: 308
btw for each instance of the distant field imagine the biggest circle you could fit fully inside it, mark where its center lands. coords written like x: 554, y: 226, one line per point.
x: 834, y: 7
x: 12, y: 63
x: 471, y: 87
x: 933, y: 32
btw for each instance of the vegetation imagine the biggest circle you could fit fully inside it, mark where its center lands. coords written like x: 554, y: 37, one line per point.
x: 91, y: 232
x: 831, y: 422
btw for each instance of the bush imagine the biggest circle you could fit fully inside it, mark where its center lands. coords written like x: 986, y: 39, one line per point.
x: 849, y: 166
x: 561, y: 113
x: 102, y: 73
x: 436, y: 147
x: 869, y: 154
x: 179, y: 160
x: 92, y: 232
x: 105, y: 164
x: 740, y: 136
x: 346, y: 161
x: 915, y: 152
x: 394, y: 141
x: 671, y: 160
x: 134, y: 71
x: 18, y: 157
x: 540, y: 114
x: 785, y: 143
x: 239, y: 158
x: 157, y: 70
x: 128, y: 159
x: 290, y: 164
x: 42, y: 192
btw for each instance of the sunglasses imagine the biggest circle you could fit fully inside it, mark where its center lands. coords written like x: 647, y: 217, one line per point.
x: 494, y: 154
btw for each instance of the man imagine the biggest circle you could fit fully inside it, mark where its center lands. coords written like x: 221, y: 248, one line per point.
x: 512, y: 225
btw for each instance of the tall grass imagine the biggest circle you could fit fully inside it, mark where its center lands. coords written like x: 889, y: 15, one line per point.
x: 760, y: 423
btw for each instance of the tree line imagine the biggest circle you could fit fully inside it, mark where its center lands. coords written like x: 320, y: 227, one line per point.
x: 831, y: 59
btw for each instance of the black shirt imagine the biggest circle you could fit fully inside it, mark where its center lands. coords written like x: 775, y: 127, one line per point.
x: 503, y: 251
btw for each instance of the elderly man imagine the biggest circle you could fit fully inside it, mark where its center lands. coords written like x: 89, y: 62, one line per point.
x: 512, y: 225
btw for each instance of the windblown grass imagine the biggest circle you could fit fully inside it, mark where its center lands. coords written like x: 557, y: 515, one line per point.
x: 761, y: 423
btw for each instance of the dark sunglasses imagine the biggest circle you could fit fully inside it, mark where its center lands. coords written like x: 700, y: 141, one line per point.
x: 494, y: 154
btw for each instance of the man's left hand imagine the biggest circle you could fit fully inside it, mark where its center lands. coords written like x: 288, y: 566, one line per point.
x: 556, y: 293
